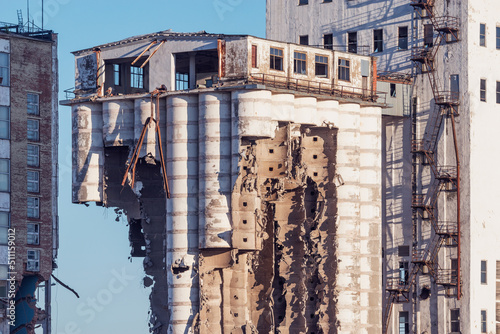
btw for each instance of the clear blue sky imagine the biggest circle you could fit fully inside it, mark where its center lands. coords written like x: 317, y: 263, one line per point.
x: 94, y: 248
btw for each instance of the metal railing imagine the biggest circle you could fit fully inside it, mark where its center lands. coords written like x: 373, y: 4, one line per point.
x: 447, y: 97
x: 316, y: 87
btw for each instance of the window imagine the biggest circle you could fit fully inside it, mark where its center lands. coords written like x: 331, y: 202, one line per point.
x: 136, y: 77
x: 33, y: 104
x: 322, y: 66
x: 455, y: 320
x: 498, y: 91
x: 299, y: 63
x: 454, y: 267
x: 327, y: 0
x: 276, y: 59
x: 303, y: 2
x: 4, y: 69
x: 378, y: 40
x: 33, y: 181
x: 254, y: 56
x: 328, y: 41
x: 4, y: 122
x: 33, y: 207
x: 33, y: 130
x: 482, y: 90
x: 33, y: 234
x: 352, y: 42
x: 482, y: 34
x: 404, y: 325
x: 4, y: 175
x: 393, y: 90
x: 403, y: 38
x: 484, y: 327
x: 498, y: 38
x: 181, y: 81
x: 304, y: 40
x: 404, y: 250
x: 428, y: 35
x: 403, y: 272
x: 4, y: 272
x: 483, y: 272
x: 33, y: 260
x: 4, y: 227
x: 116, y: 74
x: 33, y: 155
x: 344, y: 70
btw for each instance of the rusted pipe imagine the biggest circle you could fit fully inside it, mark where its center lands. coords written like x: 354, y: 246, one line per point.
x: 145, y: 50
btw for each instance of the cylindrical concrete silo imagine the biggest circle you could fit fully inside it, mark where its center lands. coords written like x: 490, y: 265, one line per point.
x: 253, y: 112
x: 182, y: 211
x: 118, y: 123
x: 305, y: 110
x: 88, y: 155
x: 328, y: 112
x: 142, y: 112
x: 215, y: 170
x: 283, y: 107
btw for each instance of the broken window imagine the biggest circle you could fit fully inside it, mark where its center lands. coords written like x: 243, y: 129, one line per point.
x: 428, y: 35
x: 33, y: 155
x: 181, y: 81
x: 455, y: 320
x: 4, y: 227
x: 33, y: 234
x: 4, y: 122
x: 404, y: 250
x: 33, y: 263
x: 299, y: 63
x: 4, y: 175
x: 33, y: 130
x: 404, y: 324
x: 482, y: 34
x: 254, y: 56
x: 33, y: 181
x: 403, y: 38
x: 378, y: 40
x: 393, y: 90
x: 483, y: 272
x: 322, y: 66
x: 33, y: 104
x: 276, y: 59
x: 328, y: 41
x: 304, y: 40
x: 344, y: 70
x: 482, y: 90
x: 352, y: 42
x: 498, y: 91
x: 403, y: 272
x: 136, y: 77
x: 33, y: 207
x: 4, y: 69
x: 117, y: 74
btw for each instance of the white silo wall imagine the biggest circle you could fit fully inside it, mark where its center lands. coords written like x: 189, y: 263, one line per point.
x: 118, y: 123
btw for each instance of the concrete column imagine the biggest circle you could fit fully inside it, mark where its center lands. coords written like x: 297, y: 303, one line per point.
x: 370, y: 221
x: 88, y: 151
x: 305, y: 110
x: 192, y: 71
x: 182, y: 211
x: 118, y: 123
x: 253, y: 112
x: 328, y: 112
x: 142, y: 111
x: 348, y: 218
x: 215, y: 155
x: 283, y: 107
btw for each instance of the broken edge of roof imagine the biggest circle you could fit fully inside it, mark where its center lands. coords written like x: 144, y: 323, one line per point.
x: 164, y: 33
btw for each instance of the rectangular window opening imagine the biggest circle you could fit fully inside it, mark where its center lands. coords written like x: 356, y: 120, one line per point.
x: 5, y: 175
x: 428, y: 35
x: 328, y: 41
x: 403, y: 38
x: 33, y: 263
x: 33, y: 234
x: 498, y: 37
x: 321, y: 66
x: 344, y: 69
x: 304, y: 40
x: 33, y: 207
x: 33, y: 155
x: 393, y: 90
x: 404, y: 323
x: 299, y: 63
x: 4, y: 69
x: 4, y: 122
x: 482, y: 34
x: 181, y: 81
x: 33, y: 130
x: 352, y: 42
x: 303, y: 2
x: 117, y: 74
x: 455, y: 320
x: 4, y: 227
x: 482, y: 90
x: 136, y: 77
x: 254, y: 56
x: 276, y: 61
x: 484, y: 272
x: 33, y: 104
x: 498, y: 92
x: 378, y: 40
x: 33, y: 181
x: 484, y: 327
x: 403, y: 272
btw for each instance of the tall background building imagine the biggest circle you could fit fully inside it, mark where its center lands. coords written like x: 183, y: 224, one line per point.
x: 28, y: 175
x: 439, y: 220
